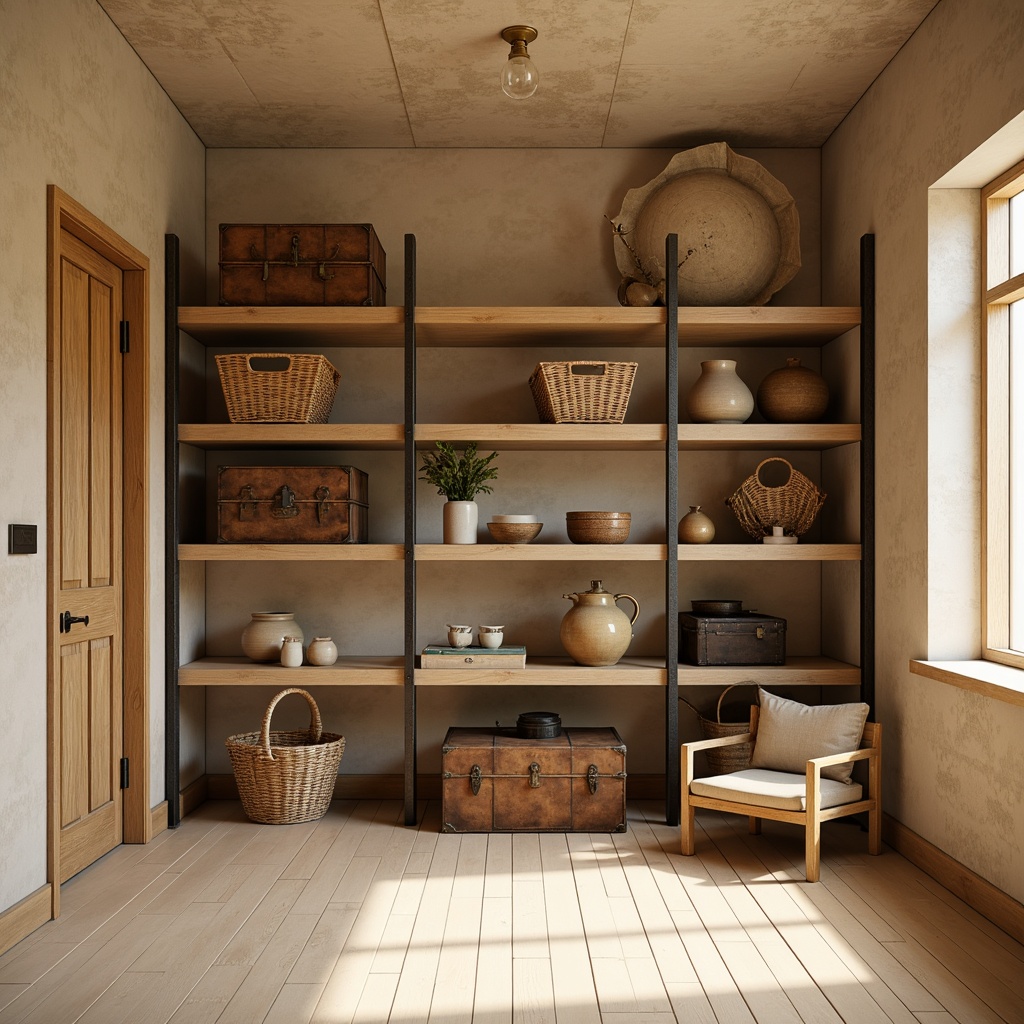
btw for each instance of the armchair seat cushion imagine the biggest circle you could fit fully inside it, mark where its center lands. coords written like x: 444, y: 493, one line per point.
x: 760, y: 787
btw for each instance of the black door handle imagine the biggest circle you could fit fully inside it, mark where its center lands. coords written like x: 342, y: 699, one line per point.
x: 67, y: 620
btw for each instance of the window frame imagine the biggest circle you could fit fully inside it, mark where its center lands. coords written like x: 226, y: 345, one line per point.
x: 999, y: 290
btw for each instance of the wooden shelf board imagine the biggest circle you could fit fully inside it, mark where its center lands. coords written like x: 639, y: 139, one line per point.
x: 547, y: 436
x: 349, y: 671
x: 537, y: 552
x: 517, y: 326
x: 542, y: 671
x: 363, y: 436
x: 766, y: 436
x: 769, y: 552
x: 291, y: 552
x: 551, y: 671
x: 805, y: 671
x: 291, y: 326
x: 611, y: 326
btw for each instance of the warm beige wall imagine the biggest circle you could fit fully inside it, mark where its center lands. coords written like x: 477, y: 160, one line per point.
x: 77, y: 109
x: 953, y: 760
x: 493, y: 227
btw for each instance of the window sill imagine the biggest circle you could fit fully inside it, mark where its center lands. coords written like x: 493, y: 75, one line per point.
x: 989, y: 678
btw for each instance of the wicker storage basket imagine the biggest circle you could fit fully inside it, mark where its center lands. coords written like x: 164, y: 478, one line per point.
x: 285, y: 777
x: 582, y: 391
x: 792, y: 505
x: 722, y: 760
x: 301, y: 392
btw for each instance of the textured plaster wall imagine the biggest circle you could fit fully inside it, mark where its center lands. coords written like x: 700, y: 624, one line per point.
x: 953, y: 771
x: 493, y: 227
x: 77, y: 109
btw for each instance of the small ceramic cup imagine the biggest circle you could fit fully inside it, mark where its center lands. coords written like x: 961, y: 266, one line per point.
x: 291, y: 652
x: 490, y: 636
x: 459, y: 636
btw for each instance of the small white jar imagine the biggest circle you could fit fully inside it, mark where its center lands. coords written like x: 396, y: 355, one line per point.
x: 322, y: 650
x: 291, y: 652
x: 490, y: 636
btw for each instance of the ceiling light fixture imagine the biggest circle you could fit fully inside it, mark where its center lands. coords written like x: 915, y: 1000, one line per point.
x: 519, y: 76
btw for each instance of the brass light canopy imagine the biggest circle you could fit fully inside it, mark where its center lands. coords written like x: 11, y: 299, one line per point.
x: 519, y: 76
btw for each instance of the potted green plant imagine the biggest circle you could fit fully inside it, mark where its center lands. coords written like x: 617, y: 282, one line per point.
x: 460, y: 478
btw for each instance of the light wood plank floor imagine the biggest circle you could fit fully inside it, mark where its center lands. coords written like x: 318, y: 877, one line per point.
x: 356, y: 918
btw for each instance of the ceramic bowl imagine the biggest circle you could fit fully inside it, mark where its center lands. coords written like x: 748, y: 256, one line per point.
x: 506, y: 518
x: 514, y: 533
x: 597, y: 527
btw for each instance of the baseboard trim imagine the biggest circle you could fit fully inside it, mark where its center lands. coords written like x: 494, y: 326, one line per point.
x: 157, y: 819
x: 978, y: 893
x: 194, y: 794
x: 25, y: 917
x: 392, y: 787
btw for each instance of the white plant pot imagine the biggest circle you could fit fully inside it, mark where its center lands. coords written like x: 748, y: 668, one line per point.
x: 460, y: 522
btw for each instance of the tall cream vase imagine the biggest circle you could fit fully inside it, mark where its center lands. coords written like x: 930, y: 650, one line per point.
x: 461, y: 519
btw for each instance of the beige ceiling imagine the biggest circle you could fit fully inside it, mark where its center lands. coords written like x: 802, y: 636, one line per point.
x: 632, y: 73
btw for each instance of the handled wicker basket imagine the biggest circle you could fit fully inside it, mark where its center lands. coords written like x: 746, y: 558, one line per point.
x: 722, y: 760
x: 286, y: 777
x: 582, y: 391
x: 792, y: 505
x: 302, y: 391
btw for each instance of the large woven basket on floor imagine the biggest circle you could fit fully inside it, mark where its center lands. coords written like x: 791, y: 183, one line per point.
x: 259, y: 388
x: 582, y: 391
x: 792, y: 505
x: 723, y: 760
x: 285, y: 777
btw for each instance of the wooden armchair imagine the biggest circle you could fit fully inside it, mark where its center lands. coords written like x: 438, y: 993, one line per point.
x: 805, y: 800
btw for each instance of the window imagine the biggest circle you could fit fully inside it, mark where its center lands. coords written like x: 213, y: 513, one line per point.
x: 1003, y: 376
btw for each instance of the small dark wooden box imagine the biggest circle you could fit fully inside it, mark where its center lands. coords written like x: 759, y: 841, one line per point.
x: 292, y: 505
x: 494, y: 781
x: 745, y: 639
x: 301, y: 265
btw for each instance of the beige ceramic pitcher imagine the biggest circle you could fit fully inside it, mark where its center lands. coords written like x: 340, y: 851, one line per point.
x: 595, y: 631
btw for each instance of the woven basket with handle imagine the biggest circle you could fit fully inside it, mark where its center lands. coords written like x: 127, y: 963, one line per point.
x: 722, y: 760
x: 285, y: 777
x: 582, y: 391
x: 792, y: 505
x: 277, y: 387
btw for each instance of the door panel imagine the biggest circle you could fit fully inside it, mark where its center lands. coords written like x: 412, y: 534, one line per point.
x: 90, y: 545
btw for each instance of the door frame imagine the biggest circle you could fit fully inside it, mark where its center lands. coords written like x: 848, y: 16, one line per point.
x: 137, y: 827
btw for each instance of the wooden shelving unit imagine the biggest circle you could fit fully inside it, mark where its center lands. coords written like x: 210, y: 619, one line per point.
x: 589, y: 328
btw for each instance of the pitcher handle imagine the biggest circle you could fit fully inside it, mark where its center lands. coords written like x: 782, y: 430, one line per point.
x: 636, y: 605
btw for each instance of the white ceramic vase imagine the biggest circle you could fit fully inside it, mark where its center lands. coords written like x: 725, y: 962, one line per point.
x: 460, y: 522
x: 719, y: 396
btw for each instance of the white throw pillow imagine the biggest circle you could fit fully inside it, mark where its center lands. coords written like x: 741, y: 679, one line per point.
x: 789, y: 734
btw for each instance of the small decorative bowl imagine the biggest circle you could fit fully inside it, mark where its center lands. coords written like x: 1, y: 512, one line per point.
x: 516, y: 518
x: 597, y: 527
x: 514, y: 533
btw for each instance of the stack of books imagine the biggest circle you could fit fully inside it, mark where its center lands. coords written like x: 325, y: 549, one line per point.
x: 442, y: 656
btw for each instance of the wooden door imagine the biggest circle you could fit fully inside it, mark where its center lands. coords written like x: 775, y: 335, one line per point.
x: 88, y: 538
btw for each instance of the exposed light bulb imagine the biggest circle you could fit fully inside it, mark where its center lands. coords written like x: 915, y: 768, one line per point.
x: 519, y: 76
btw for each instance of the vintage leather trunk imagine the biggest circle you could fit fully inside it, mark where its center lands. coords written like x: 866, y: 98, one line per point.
x: 494, y: 781
x: 301, y: 265
x: 292, y: 505
x: 744, y: 639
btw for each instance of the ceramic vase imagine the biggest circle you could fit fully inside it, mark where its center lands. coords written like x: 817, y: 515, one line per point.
x: 460, y: 522
x: 719, y: 396
x: 696, y: 527
x: 793, y: 394
x: 263, y: 637
x: 322, y: 650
